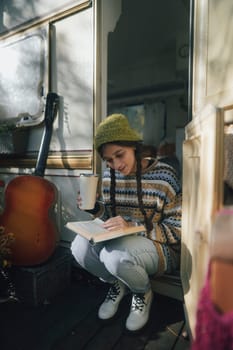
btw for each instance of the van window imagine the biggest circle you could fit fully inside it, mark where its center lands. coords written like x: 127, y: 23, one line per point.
x: 22, y: 71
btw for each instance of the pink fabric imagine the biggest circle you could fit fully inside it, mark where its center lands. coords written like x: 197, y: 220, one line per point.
x: 213, y: 330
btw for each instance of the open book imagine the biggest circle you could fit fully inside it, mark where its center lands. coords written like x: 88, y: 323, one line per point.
x: 93, y: 230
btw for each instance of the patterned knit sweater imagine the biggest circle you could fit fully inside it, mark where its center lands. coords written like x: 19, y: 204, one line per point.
x: 161, y: 194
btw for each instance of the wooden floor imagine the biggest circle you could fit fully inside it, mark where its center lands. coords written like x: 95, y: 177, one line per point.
x: 69, y: 321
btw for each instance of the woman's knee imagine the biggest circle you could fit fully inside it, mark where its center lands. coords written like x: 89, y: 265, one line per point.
x: 130, y: 251
x: 79, y: 248
x: 114, y: 260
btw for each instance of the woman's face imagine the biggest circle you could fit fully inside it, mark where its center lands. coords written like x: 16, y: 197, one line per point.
x: 121, y: 158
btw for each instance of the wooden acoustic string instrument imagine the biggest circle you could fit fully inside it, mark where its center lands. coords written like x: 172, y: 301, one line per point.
x: 29, y: 204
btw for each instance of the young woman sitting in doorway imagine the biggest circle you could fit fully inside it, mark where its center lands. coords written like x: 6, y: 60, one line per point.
x: 135, y: 190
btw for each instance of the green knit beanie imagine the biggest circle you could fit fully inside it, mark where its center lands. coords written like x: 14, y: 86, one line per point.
x: 115, y: 128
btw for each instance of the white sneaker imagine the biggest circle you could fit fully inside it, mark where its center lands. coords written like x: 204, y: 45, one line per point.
x: 140, y: 311
x: 110, y: 305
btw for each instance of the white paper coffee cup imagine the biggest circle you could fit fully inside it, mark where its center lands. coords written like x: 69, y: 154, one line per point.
x: 88, y: 188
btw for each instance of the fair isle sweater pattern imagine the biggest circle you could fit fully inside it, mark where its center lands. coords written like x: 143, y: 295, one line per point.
x: 161, y: 194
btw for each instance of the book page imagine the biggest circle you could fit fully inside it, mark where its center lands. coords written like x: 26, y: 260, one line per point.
x: 92, y: 227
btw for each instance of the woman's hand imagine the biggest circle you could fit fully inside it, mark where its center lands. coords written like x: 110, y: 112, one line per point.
x: 79, y: 200
x: 115, y: 223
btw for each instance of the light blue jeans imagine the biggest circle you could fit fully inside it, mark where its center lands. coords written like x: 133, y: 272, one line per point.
x: 131, y: 259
